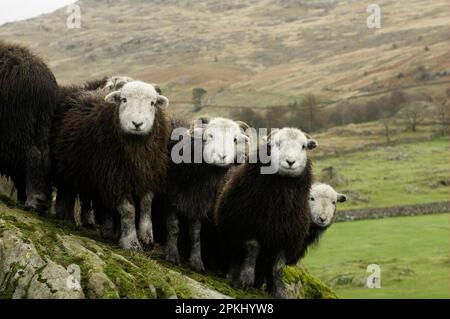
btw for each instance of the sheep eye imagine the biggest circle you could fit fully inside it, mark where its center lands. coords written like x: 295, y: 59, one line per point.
x: 312, y: 198
x: 210, y: 136
x: 124, y: 100
x: 235, y: 140
x: 152, y: 103
x: 304, y: 146
x: 334, y: 203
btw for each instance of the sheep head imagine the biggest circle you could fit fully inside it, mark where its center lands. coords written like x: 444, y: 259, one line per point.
x: 138, y: 103
x: 222, y: 140
x: 288, y: 150
x: 322, y: 203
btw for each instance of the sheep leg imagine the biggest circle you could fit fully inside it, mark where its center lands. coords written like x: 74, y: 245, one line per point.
x: 279, y: 288
x: 64, y: 206
x: 37, y: 180
x: 107, y: 229
x: 20, y: 185
x: 145, y: 230
x: 86, y: 214
x: 247, y: 272
x: 128, y: 236
x: 173, y: 231
x: 195, y: 259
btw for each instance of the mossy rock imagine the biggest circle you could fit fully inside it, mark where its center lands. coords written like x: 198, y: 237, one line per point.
x: 63, y: 261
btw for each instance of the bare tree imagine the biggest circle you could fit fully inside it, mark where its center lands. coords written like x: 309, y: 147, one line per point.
x: 441, y: 115
x: 310, y: 103
x: 197, y: 95
x: 387, y: 123
x: 414, y: 115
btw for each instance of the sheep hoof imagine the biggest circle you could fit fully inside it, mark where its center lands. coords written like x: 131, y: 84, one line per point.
x: 280, y: 293
x: 130, y: 244
x: 146, y: 237
x: 37, y: 203
x: 196, y: 264
x: 247, y: 279
x: 173, y: 258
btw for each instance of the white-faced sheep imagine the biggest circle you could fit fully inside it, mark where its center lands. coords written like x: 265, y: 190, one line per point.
x: 263, y: 219
x: 113, y: 150
x: 192, y: 188
x: 322, y: 202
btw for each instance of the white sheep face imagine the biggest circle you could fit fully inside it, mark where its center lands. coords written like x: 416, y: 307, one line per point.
x: 138, y: 103
x: 322, y: 203
x: 288, y: 148
x: 220, y: 139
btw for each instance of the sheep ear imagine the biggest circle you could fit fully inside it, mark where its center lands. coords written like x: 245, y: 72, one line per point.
x: 341, y: 198
x: 113, y: 97
x: 157, y: 89
x: 197, y: 126
x: 162, y: 102
x: 312, y: 144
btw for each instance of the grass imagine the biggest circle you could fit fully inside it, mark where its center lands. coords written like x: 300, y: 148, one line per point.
x: 398, y: 175
x: 413, y: 253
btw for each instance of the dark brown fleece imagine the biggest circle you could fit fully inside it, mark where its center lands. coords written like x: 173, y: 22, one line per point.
x: 272, y: 209
x: 28, y: 97
x: 93, y: 156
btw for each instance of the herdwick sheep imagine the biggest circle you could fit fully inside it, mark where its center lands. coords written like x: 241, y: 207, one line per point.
x: 192, y: 188
x: 103, y: 86
x: 113, y: 150
x: 322, y: 203
x: 28, y: 98
x: 263, y: 219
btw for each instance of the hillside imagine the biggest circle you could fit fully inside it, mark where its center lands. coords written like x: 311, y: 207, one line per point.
x: 39, y: 258
x: 247, y: 53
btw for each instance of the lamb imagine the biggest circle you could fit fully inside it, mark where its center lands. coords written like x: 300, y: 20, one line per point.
x: 28, y: 98
x: 192, y: 188
x: 113, y: 150
x: 322, y: 203
x: 263, y: 219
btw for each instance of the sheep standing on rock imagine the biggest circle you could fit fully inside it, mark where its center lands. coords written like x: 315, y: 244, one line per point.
x: 193, y: 187
x: 263, y: 219
x: 69, y: 93
x: 322, y: 202
x: 113, y: 150
x: 28, y: 98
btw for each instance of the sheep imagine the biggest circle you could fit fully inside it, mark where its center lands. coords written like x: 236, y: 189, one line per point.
x: 113, y: 149
x: 192, y: 188
x: 263, y: 219
x: 322, y: 203
x: 105, y: 86
x: 28, y: 98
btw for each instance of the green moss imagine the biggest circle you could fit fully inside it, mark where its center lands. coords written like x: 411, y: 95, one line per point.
x: 312, y: 287
x: 135, y: 275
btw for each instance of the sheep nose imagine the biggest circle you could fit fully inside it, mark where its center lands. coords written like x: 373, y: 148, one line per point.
x: 222, y: 157
x: 290, y: 163
x: 322, y: 219
x: 137, y: 125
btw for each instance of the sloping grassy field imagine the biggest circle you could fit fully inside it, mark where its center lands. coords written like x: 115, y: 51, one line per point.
x: 413, y: 253
x: 404, y: 174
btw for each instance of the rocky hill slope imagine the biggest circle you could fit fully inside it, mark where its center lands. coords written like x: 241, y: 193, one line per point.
x: 44, y: 258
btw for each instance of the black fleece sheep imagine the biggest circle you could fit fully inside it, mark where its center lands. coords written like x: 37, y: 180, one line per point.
x: 263, y: 219
x: 67, y: 94
x: 192, y: 188
x: 115, y: 153
x: 28, y: 98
